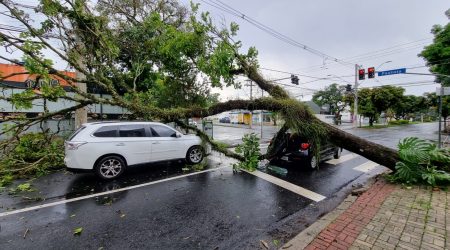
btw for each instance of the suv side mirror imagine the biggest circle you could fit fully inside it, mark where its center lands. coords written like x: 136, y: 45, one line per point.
x: 177, y: 135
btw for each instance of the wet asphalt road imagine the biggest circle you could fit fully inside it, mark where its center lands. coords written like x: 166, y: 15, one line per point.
x: 212, y: 210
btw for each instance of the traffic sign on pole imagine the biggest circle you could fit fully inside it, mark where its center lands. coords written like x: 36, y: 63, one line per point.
x: 392, y: 72
x: 444, y: 91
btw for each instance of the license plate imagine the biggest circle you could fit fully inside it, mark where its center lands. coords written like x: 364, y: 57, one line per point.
x: 285, y: 158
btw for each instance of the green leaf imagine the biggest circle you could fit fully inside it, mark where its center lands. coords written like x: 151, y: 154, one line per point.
x: 77, y: 231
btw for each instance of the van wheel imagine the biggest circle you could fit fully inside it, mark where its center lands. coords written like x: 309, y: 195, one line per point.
x: 313, y: 162
x: 337, y: 153
x: 110, y: 167
x: 194, y: 155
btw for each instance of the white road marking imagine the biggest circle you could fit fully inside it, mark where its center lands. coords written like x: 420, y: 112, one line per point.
x: 366, y: 167
x: 289, y: 186
x: 103, y: 193
x: 342, y: 159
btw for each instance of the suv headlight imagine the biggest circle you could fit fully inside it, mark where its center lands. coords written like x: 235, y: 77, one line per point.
x: 71, y: 145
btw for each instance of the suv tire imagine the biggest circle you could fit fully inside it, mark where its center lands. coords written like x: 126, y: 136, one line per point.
x: 195, y: 155
x: 110, y: 167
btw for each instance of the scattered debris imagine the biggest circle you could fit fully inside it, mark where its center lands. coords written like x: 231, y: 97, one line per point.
x: 359, y: 191
x: 26, y: 232
x: 286, y: 247
x: 264, y: 244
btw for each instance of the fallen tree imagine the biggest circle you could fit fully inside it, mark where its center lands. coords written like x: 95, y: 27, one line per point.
x: 178, y: 50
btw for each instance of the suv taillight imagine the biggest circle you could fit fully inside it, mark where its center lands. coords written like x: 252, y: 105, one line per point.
x: 304, y: 146
x: 74, y: 145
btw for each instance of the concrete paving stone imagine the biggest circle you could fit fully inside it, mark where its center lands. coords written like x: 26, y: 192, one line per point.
x: 393, y: 240
x: 362, y: 244
x: 383, y: 237
x: 384, y: 244
x: 370, y: 240
x: 439, y: 242
x: 436, y: 232
x: 408, y: 245
x: 427, y: 238
x: 428, y: 246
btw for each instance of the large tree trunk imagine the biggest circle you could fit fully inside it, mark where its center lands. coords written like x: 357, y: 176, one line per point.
x: 375, y: 152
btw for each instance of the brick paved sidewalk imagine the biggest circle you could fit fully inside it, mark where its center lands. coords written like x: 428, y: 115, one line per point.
x: 391, y: 217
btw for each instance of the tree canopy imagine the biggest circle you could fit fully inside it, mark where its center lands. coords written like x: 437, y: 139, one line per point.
x: 437, y: 54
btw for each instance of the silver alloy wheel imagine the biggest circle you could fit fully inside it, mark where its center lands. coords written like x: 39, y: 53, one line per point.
x: 110, y: 168
x: 313, y: 162
x: 196, y: 155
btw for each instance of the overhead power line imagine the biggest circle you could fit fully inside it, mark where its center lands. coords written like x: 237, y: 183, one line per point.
x: 232, y: 11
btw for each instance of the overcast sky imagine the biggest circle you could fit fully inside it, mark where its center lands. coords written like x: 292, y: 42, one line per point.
x: 343, y: 29
x: 368, y: 33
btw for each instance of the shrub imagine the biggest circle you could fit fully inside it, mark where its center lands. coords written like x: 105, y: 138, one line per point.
x: 30, y: 154
x: 250, y: 150
x: 421, y: 162
x: 399, y: 122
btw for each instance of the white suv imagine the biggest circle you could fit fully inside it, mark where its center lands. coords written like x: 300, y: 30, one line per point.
x: 108, y: 148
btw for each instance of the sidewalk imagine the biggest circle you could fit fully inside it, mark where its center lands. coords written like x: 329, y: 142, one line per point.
x: 386, y: 216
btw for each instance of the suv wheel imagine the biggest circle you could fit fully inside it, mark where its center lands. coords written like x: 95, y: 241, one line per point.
x: 110, y: 167
x: 337, y: 153
x: 194, y: 155
x: 313, y: 163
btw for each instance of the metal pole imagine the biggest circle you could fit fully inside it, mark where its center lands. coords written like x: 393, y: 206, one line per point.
x: 251, y: 98
x: 355, y: 121
x: 261, y: 117
x: 440, y: 112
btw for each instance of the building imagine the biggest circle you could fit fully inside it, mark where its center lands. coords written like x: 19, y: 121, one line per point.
x: 18, y: 81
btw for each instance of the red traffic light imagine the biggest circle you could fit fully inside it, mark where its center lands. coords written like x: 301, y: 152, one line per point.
x: 362, y: 74
x: 371, y: 72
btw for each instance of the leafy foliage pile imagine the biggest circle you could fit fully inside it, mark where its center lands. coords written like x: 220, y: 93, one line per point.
x: 250, y: 151
x: 422, y: 162
x: 31, y: 154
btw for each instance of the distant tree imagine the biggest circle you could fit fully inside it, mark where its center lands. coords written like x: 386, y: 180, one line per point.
x: 409, y: 105
x: 374, y: 101
x: 334, y: 97
x: 437, y: 54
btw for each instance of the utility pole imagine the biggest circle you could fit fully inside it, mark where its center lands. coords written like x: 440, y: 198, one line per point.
x: 251, y: 99
x: 81, y: 113
x: 355, y: 108
x: 440, y: 116
x: 261, y: 117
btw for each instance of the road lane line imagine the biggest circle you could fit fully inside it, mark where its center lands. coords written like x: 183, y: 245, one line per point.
x: 342, y: 159
x: 289, y: 186
x: 52, y: 204
x: 366, y: 167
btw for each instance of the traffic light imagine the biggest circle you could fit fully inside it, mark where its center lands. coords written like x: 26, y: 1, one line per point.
x: 371, y: 72
x: 348, y: 88
x: 362, y: 74
x: 294, y: 79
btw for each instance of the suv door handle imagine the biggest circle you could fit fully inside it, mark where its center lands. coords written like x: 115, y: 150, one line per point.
x: 156, y: 142
x: 120, y: 144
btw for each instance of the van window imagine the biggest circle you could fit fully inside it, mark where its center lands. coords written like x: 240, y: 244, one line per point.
x: 106, y: 131
x: 135, y: 130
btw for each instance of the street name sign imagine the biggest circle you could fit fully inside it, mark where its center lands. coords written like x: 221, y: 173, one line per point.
x: 445, y: 91
x: 392, y: 72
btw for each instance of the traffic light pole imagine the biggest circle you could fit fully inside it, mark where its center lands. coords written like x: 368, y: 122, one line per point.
x: 355, y: 106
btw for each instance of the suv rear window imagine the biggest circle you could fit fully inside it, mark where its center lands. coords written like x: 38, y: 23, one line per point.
x: 76, y: 132
x: 106, y: 131
x: 132, y: 131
